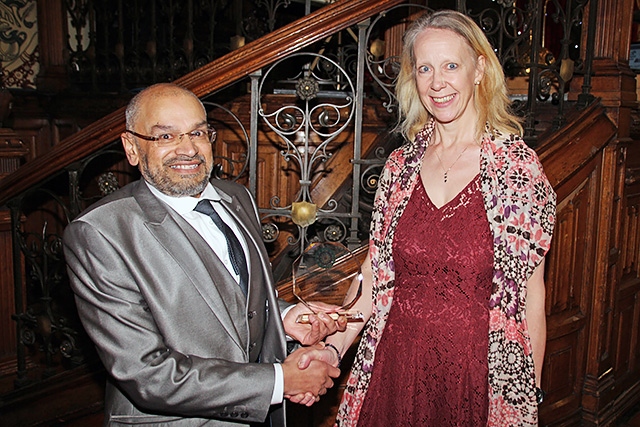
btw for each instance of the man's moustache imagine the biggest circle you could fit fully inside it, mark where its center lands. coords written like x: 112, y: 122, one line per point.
x: 180, y: 159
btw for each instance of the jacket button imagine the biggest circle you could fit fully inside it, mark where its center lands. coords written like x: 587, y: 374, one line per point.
x: 244, y: 415
x: 234, y: 414
x: 251, y: 314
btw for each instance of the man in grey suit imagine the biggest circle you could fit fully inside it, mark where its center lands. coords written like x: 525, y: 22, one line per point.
x: 174, y: 286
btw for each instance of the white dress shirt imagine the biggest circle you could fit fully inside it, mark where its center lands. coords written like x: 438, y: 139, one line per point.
x: 214, y: 237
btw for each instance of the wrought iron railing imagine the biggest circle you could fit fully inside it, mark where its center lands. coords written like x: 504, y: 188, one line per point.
x: 322, y: 93
x: 123, y: 45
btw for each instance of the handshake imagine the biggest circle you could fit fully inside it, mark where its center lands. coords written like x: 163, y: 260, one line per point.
x: 309, y: 371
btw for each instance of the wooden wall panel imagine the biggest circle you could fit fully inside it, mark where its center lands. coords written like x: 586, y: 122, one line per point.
x: 569, y: 284
x: 631, y: 234
x: 626, y: 330
x: 627, y: 315
x: 7, y: 305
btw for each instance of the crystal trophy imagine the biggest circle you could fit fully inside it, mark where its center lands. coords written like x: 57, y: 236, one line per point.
x: 327, y: 272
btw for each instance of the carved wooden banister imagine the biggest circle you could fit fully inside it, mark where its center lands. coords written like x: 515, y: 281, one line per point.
x: 565, y: 152
x: 210, y: 78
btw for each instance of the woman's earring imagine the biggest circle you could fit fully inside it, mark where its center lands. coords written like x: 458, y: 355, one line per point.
x: 476, y: 83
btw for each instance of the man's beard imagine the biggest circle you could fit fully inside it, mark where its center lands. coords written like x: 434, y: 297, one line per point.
x: 180, y: 187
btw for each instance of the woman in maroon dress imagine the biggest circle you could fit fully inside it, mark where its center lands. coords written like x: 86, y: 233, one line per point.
x: 454, y: 279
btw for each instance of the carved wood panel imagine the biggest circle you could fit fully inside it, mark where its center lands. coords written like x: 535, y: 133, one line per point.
x: 569, y: 283
x: 7, y: 304
x: 626, y: 330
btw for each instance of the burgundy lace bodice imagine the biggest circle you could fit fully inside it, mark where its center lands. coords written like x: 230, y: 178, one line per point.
x: 431, y: 364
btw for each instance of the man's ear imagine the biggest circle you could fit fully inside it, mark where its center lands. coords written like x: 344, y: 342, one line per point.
x: 130, y: 148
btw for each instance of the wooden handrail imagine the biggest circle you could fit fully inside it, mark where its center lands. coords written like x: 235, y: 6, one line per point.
x: 565, y: 152
x: 210, y: 78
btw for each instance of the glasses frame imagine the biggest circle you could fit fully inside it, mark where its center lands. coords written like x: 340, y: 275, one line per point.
x: 213, y: 134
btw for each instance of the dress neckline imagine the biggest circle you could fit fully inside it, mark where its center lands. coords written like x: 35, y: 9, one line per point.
x: 454, y: 199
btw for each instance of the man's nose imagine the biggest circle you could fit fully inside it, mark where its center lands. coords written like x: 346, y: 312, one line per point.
x: 186, y: 144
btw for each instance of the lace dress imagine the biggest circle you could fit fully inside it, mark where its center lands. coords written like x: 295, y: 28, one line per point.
x: 431, y: 363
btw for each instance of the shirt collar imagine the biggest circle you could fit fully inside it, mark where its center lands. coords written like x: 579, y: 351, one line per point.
x: 186, y: 204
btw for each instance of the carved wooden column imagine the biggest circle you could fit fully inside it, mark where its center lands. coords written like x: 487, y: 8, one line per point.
x: 609, y: 349
x: 12, y: 151
x: 52, y: 43
x: 613, y: 80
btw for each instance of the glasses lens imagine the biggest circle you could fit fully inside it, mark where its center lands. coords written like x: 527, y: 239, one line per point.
x: 197, y: 136
x: 203, y: 136
x: 166, y: 139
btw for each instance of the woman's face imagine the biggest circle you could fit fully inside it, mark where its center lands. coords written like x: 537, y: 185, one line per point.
x: 446, y: 72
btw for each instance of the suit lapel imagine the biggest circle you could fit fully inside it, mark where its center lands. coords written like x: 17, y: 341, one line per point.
x: 275, y: 344
x: 197, y: 259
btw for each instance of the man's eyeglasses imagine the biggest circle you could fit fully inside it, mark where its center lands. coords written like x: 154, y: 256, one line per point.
x: 199, y: 136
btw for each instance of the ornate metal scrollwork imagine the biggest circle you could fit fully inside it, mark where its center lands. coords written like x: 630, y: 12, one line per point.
x: 325, y: 107
x: 108, y: 183
x: 384, y: 69
x: 227, y: 167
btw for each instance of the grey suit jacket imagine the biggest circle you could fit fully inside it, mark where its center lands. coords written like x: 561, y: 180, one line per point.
x: 182, y: 344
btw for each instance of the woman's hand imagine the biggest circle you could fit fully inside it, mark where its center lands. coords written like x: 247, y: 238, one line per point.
x: 320, y: 324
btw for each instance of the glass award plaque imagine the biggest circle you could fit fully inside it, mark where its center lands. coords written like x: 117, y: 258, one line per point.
x: 327, y: 272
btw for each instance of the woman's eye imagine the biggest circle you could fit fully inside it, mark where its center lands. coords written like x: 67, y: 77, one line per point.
x: 166, y: 136
x: 423, y: 69
x: 452, y: 66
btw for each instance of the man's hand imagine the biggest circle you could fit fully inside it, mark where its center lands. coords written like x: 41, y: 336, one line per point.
x: 318, y: 352
x: 320, y: 324
x: 307, y: 355
x: 306, y: 386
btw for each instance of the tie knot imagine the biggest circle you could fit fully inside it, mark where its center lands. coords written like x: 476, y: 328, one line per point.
x: 204, y: 207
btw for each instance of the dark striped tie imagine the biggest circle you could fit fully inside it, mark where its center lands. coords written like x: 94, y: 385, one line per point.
x: 236, y: 253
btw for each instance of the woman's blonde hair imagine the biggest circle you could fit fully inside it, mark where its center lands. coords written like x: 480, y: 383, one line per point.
x: 491, y: 95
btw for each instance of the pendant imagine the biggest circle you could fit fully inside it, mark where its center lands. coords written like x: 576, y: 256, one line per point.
x: 445, y: 176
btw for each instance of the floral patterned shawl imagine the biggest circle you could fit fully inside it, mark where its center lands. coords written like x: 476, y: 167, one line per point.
x: 520, y: 205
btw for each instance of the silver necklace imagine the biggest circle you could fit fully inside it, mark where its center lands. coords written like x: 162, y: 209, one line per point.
x: 446, y: 171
